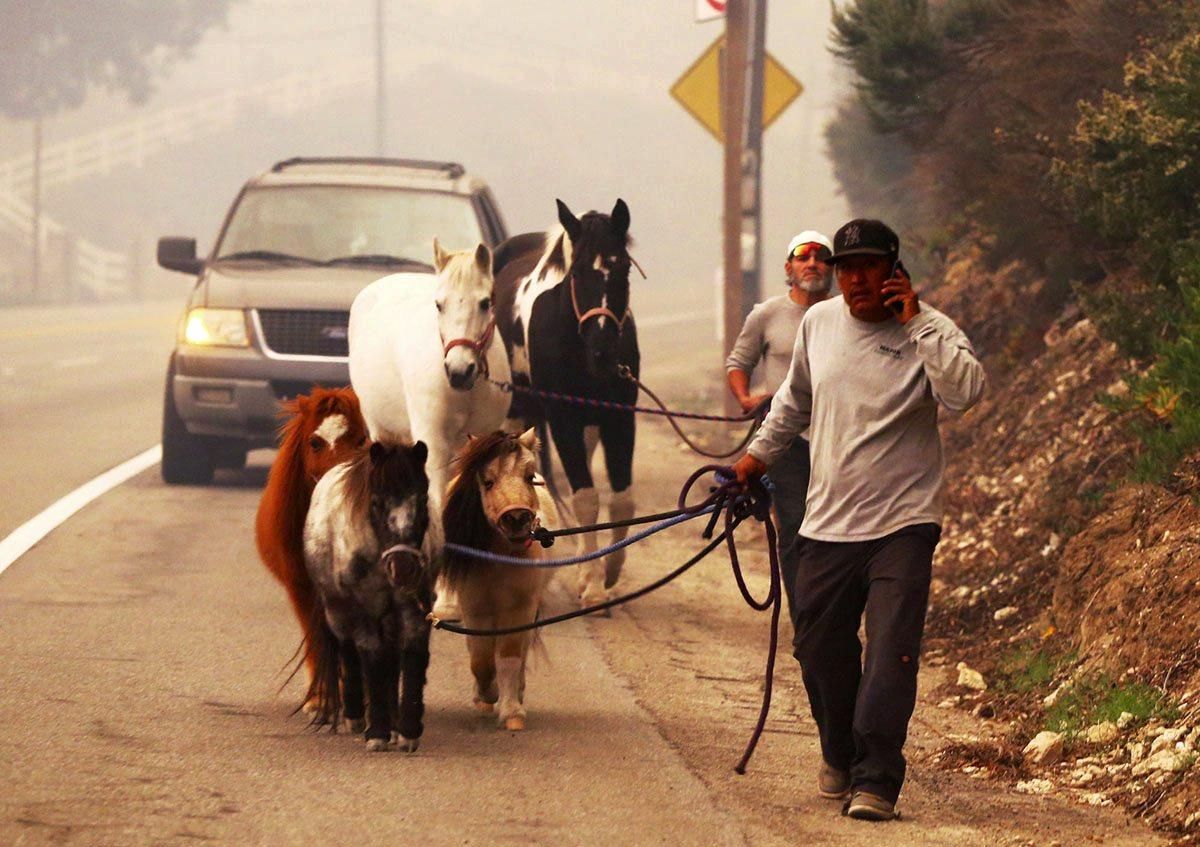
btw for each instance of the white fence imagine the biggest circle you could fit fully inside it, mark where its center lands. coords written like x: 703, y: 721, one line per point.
x: 105, y: 271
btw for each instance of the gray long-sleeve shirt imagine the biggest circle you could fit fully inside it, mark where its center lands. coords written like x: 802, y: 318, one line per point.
x: 769, y: 336
x: 869, y: 392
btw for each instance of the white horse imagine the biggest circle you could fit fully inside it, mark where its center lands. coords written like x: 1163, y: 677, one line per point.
x: 421, y: 347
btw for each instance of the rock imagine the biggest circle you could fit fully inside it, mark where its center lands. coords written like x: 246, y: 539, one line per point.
x: 984, y: 710
x: 1192, y: 820
x: 1101, y: 733
x: 1168, y: 739
x: 961, y: 593
x: 1125, y: 720
x: 1096, y: 798
x: 1165, y: 760
x: 970, y: 678
x: 1035, y: 786
x: 1137, y: 751
x: 1052, y: 698
x: 949, y: 703
x: 1007, y: 613
x: 1046, y: 748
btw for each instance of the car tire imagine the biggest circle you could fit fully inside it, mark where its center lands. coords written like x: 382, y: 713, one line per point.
x: 186, y: 458
x: 230, y: 453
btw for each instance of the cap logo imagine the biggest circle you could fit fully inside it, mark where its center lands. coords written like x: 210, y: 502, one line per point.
x: 853, y: 235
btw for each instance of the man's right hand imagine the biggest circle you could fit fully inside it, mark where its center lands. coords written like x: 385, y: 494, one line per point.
x: 748, y: 468
x: 750, y: 403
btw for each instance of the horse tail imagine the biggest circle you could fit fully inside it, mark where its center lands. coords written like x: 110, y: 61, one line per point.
x: 322, y: 653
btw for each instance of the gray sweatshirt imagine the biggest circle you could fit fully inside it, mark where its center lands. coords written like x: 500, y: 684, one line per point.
x: 768, y: 335
x: 869, y: 392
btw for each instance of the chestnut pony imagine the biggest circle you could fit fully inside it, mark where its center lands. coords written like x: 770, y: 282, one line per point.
x: 320, y: 430
x: 495, y: 503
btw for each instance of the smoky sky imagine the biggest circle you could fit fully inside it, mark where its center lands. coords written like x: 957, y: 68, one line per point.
x: 541, y: 98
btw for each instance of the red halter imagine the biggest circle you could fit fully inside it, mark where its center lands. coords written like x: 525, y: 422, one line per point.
x: 478, y: 346
x: 598, y: 312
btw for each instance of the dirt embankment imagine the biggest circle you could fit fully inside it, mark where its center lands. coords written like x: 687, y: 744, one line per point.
x: 1074, y: 593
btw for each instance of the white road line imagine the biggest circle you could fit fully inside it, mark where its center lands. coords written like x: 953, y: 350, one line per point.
x: 77, y: 362
x: 669, y: 320
x: 34, y: 530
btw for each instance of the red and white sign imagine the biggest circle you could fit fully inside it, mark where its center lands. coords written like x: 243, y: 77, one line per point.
x: 709, y: 10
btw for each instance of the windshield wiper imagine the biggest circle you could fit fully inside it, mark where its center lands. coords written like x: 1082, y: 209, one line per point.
x: 268, y: 256
x: 378, y: 259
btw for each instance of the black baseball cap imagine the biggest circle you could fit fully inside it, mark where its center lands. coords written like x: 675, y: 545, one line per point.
x: 864, y: 237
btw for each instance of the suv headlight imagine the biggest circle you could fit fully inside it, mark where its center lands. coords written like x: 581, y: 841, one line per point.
x: 216, y: 328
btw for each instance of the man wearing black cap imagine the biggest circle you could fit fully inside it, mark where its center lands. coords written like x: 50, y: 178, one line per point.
x: 867, y: 376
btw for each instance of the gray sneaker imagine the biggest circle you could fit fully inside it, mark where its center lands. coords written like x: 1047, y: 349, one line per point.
x: 870, y: 807
x: 832, y: 784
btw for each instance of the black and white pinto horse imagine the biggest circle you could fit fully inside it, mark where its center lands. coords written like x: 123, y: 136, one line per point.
x: 562, y: 308
x: 362, y: 548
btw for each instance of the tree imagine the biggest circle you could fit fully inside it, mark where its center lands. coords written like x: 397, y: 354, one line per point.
x: 52, y: 52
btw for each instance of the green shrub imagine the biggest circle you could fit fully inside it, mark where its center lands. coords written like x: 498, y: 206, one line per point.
x: 1029, y: 668
x: 1096, y: 699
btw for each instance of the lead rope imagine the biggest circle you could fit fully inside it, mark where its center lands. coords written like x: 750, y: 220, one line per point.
x: 755, y: 416
x: 739, y: 502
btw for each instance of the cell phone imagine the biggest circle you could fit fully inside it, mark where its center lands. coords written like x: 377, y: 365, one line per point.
x: 898, y: 267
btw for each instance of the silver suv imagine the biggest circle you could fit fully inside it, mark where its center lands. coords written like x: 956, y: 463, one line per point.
x: 267, y: 317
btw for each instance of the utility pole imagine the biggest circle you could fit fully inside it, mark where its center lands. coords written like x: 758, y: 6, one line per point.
x: 35, y: 223
x: 380, y: 82
x: 741, y: 100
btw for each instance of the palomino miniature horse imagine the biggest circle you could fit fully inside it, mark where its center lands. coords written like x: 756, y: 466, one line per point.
x: 321, y: 430
x: 494, y: 504
x: 418, y: 347
x: 362, y: 547
x: 562, y: 307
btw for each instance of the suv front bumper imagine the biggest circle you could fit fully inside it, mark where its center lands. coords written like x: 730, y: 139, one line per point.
x: 235, y: 392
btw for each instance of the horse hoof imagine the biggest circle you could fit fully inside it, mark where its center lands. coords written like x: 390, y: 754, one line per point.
x: 514, y: 724
x: 311, y: 707
x: 409, y: 745
x: 356, y: 725
x: 484, y: 708
x: 378, y: 745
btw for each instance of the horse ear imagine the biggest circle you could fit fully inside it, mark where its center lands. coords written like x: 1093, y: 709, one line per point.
x: 379, y: 452
x: 569, y: 222
x: 419, y: 453
x: 483, y: 258
x: 440, y: 256
x: 620, y: 217
x: 529, y: 439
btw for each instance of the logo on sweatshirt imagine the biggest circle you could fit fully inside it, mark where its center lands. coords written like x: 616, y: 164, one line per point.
x: 884, y: 350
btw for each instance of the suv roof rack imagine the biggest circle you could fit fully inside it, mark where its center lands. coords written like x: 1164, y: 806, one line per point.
x: 452, y: 169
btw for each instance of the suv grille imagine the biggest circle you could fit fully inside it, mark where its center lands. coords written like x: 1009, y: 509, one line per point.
x: 297, y: 332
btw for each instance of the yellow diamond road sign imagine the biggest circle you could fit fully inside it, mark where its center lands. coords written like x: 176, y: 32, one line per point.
x: 699, y: 89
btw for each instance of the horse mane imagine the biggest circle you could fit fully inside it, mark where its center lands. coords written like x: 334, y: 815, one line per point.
x: 557, y: 254
x: 288, y: 491
x: 364, y: 475
x: 463, y: 519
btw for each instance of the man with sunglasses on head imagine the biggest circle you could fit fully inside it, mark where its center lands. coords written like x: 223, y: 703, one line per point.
x: 867, y: 376
x: 768, y: 337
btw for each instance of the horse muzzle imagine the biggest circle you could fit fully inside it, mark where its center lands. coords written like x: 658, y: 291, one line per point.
x: 404, y: 566
x: 462, y: 378
x: 517, y: 524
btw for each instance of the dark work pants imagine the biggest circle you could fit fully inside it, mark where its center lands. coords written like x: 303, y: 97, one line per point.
x: 862, y: 708
x: 789, y: 477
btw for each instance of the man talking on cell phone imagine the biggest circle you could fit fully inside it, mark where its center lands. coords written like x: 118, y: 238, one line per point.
x: 868, y: 373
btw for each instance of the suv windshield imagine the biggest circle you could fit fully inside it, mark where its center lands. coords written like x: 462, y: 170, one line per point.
x: 320, y: 224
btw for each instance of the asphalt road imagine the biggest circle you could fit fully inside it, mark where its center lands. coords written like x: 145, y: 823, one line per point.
x: 145, y: 645
x: 80, y: 391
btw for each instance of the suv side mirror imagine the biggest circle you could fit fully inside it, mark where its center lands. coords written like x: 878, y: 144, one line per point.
x: 179, y: 254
